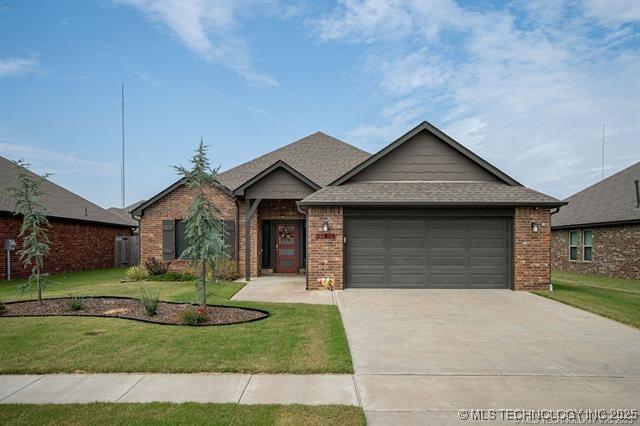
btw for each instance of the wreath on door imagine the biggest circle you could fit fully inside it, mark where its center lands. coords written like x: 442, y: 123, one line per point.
x: 286, y: 233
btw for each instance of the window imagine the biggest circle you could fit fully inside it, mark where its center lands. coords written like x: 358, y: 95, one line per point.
x: 573, y: 245
x: 181, y: 238
x: 587, y: 246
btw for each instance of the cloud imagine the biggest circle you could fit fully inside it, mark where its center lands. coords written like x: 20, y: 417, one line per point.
x: 211, y: 30
x: 13, y: 67
x: 613, y: 13
x: 528, y: 85
x: 55, y: 162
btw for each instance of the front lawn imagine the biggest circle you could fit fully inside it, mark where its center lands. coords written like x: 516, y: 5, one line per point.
x: 614, y: 298
x: 172, y: 414
x: 296, y: 338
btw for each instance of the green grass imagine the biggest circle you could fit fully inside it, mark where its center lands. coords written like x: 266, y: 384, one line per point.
x: 614, y: 298
x: 296, y: 338
x: 176, y: 414
x: 106, y: 282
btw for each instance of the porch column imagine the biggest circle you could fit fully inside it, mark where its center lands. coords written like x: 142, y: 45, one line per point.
x: 249, y: 208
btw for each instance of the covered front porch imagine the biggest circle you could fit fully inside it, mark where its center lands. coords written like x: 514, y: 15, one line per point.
x: 273, y: 231
x: 279, y: 232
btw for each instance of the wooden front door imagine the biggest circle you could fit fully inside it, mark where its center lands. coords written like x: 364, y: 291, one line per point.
x: 287, y: 247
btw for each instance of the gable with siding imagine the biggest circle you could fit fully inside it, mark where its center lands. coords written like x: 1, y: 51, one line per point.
x: 424, y: 157
x: 279, y: 184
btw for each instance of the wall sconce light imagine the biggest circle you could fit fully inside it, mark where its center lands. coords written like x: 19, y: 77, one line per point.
x: 535, y: 227
x: 325, y: 226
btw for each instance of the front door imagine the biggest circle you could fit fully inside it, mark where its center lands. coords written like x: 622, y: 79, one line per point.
x: 287, y: 247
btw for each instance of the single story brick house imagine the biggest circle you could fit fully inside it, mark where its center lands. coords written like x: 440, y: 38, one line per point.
x: 598, y: 232
x: 423, y: 212
x: 82, y: 234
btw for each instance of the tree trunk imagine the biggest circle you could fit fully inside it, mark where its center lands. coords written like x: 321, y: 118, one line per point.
x: 203, y: 283
x: 39, y: 282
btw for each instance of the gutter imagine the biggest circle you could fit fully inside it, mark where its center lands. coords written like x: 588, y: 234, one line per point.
x: 302, y: 210
x: 555, y: 204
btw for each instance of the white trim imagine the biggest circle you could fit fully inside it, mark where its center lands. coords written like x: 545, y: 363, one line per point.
x: 584, y: 246
x: 570, y: 246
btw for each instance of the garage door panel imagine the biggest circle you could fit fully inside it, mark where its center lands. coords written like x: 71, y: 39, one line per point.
x: 486, y: 243
x: 447, y: 280
x: 407, y: 281
x: 417, y: 261
x: 488, y: 261
x: 463, y: 252
x: 437, y: 243
x: 447, y: 261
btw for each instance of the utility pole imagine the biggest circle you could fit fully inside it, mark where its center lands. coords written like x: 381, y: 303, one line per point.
x: 122, y: 170
x: 602, y: 177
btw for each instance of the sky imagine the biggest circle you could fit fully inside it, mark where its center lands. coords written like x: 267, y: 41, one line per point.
x: 527, y: 85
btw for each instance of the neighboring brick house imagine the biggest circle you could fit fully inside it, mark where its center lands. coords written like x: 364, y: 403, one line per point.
x: 598, y: 232
x: 82, y: 234
x: 424, y: 212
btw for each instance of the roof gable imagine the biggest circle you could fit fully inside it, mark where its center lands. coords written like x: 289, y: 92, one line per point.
x: 425, y: 154
x: 612, y: 200
x: 277, y: 181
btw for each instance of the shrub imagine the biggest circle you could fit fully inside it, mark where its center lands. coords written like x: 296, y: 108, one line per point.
x: 226, y: 270
x: 75, y: 303
x: 174, y: 276
x: 135, y: 273
x: 192, y: 316
x: 149, y: 300
x: 155, y: 266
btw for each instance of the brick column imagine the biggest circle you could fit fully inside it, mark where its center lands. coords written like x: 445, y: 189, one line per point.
x: 325, y: 250
x: 532, y: 250
x: 253, y: 244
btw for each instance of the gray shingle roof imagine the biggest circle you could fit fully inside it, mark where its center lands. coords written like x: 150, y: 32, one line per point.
x: 608, y: 201
x: 319, y: 157
x: 57, y: 201
x: 125, y: 213
x: 429, y: 193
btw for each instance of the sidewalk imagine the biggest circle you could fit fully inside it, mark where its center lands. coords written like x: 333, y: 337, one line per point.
x: 220, y: 388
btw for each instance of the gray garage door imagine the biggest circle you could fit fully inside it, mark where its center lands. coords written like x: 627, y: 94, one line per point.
x: 427, y: 252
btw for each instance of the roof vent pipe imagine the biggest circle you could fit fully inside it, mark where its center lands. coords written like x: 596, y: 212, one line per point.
x: 637, y: 193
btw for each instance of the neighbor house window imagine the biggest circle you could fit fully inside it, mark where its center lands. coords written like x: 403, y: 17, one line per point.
x: 587, y: 246
x: 573, y: 245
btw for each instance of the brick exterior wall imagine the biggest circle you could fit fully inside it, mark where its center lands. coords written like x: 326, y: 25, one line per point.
x: 615, y: 252
x: 531, y: 251
x: 325, y: 255
x: 175, y: 206
x: 75, y: 246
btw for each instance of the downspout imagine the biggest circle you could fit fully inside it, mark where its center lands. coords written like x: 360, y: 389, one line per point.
x: 139, y: 219
x: 551, y: 213
x: 236, y: 237
x: 306, y: 276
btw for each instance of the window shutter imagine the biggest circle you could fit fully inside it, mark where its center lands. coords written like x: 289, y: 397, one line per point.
x: 168, y: 240
x: 230, y: 238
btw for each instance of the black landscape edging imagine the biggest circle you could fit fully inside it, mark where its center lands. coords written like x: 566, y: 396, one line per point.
x: 267, y: 314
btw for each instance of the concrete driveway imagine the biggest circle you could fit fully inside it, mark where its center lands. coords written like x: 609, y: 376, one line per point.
x: 422, y: 355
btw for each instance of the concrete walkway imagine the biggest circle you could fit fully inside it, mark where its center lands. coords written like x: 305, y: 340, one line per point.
x: 218, y: 388
x: 282, y: 289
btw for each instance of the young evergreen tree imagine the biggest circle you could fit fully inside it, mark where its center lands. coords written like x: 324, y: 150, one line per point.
x: 33, y: 231
x: 204, y: 227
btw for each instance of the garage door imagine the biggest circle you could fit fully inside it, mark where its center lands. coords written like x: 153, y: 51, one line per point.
x: 427, y: 252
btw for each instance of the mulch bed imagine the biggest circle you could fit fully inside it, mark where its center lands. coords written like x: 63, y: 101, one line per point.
x: 124, y: 307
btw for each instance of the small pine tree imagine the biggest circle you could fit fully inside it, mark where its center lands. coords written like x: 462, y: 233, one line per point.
x: 204, y: 227
x: 33, y: 231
